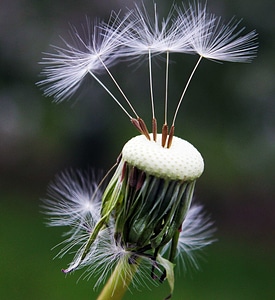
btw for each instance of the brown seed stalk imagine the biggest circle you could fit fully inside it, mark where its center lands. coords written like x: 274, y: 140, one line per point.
x: 164, y: 134
x: 171, y: 135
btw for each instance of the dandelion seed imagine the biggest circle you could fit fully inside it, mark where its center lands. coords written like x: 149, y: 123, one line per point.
x: 149, y: 36
x: 68, y: 66
x: 96, y: 52
x: 216, y: 41
x: 224, y: 42
x: 171, y: 34
x: 73, y: 196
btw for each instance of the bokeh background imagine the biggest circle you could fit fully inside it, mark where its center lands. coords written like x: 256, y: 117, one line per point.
x: 228, y: 114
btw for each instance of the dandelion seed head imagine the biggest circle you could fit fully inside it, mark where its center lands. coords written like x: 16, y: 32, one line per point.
x: 180, y: 162
x: 136, y: 220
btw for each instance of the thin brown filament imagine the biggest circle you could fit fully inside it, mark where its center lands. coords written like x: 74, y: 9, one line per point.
x: 135, y: 122
x: 164, y: 134
x: 171, y: 135
x: 154, y: 129
x: 144, y: 128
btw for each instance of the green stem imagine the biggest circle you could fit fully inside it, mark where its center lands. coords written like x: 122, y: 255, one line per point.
x: 119, y: 281
x: 173, y: 250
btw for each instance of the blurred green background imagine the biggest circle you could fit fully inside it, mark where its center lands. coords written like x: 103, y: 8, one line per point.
x: 228, y: 114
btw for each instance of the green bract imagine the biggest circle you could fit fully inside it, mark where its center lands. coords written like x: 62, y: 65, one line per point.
x: 149, y: 196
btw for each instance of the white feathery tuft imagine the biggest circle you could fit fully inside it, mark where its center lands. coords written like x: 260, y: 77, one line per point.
x: 73, y: 198
x: 196, y: 233
x: 215, y: 40
x: 89, y: 51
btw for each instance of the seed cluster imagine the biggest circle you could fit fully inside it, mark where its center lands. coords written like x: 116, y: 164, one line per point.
x: 182, y: 161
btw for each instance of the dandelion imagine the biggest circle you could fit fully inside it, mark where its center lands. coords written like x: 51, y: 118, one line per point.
x: 143, y: 221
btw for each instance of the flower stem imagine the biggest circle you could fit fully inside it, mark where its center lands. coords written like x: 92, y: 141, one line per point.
x: 119, y: 281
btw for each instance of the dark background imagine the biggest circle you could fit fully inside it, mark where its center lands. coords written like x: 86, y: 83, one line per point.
x: 228, y: 114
